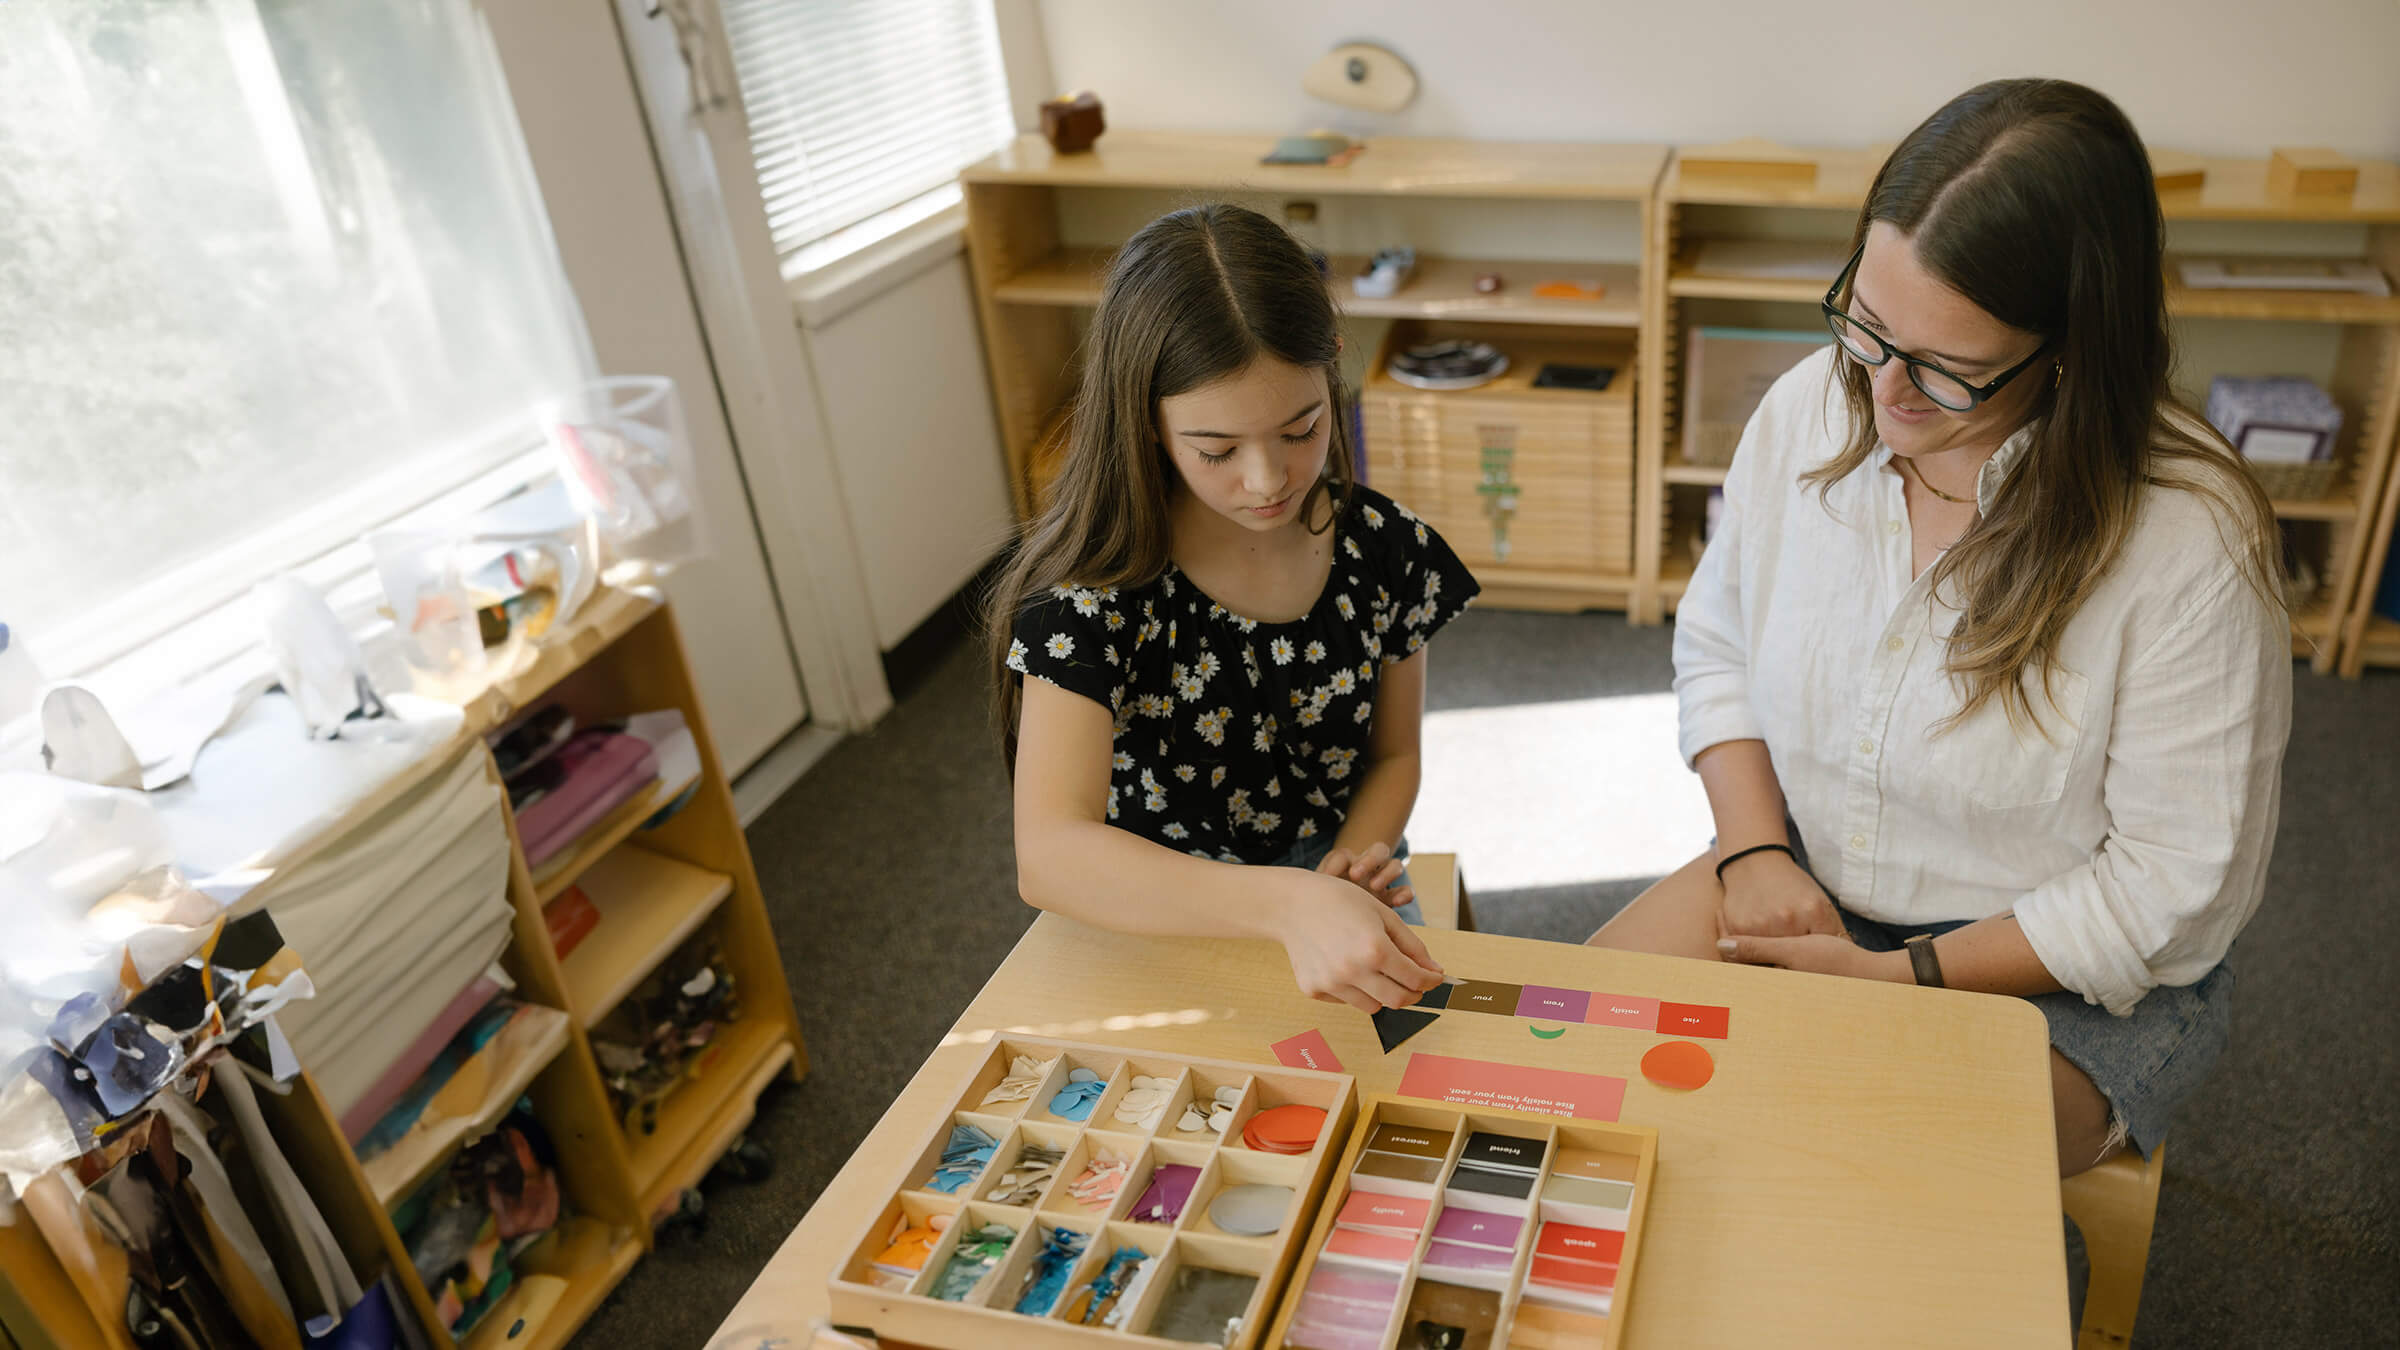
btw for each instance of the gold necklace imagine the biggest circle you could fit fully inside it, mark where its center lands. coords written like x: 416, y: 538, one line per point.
x: 1920, y: 477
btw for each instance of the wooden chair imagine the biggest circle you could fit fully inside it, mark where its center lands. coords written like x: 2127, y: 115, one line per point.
x: 2113, y: 1206
x: 1441, y: 891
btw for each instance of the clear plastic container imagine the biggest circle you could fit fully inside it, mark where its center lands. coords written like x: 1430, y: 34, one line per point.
x: 626, y: 458
x: 433, y: 616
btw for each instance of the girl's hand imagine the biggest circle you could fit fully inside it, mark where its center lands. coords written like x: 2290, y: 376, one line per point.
x: 1769, y: 895
x: 1346, y: 948
x: 1818, y: 954
x: 1373, y: 870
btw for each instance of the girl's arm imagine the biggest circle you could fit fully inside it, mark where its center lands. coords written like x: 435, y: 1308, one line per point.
x: 1071, y: 861
x: 1387, y: 791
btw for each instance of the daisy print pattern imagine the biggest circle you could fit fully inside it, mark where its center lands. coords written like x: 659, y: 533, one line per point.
x: 1214, y: 752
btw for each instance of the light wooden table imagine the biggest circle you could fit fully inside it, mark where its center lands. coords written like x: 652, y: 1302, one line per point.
x: 1873, y: 1164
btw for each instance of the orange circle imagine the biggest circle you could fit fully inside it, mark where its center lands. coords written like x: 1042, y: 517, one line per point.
x: 1281, y: 1129
x: 1678, y: 1064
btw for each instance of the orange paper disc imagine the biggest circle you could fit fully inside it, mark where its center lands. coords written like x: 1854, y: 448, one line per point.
x: 1285, y: 1129
x: 1678, y: 1064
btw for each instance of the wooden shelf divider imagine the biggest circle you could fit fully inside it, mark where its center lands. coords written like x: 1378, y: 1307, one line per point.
x: 648, y: 903
x: 533, y: 1038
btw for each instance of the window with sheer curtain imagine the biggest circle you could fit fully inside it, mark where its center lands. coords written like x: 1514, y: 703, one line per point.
x: 272, y: 272
x: 862, y: 112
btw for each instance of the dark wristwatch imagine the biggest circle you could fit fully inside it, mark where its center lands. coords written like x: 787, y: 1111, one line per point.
x: 1921, y: 959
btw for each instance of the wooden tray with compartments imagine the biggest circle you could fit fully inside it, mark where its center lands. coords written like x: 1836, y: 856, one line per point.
x: 1517, y: 1230
x: 907, y: 1312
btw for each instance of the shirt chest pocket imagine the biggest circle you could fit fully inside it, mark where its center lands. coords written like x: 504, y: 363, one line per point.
x: 2001, y: 764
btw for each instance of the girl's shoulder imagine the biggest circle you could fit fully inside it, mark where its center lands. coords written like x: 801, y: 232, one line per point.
x: 1419, y: 581
x: 1380, y: 533
x: 1082, y: 638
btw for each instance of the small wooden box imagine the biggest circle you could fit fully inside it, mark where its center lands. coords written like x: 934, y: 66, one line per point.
x: 1637, y: 1145
x: 986, y: 1317
x: 1512, y: 475
x: 1728, y: 374
x: 2311, y: 173
x: 1749, y: 161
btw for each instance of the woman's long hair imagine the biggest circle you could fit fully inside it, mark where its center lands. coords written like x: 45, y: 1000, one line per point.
x: 1195, y: 296
x: 2034, y: 200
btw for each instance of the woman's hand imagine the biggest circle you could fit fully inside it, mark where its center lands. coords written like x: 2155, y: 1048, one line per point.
x: 1373, y: 870
x: 1817, y: 954
x: 1346, y: 948
x: 1769, y: 895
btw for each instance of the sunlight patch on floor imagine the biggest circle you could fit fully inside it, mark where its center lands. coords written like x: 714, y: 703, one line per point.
x: 1550, y: 794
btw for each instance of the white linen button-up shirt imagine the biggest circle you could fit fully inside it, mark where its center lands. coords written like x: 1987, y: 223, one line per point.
x: 2129, y: 834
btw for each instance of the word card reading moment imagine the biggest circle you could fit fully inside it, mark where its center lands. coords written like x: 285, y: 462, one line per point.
x: 1515, y: 1087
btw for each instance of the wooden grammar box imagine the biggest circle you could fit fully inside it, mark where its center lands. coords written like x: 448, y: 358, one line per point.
x: 1524, y: 1322
x: 1511, y: 474
x: 986, y: 1317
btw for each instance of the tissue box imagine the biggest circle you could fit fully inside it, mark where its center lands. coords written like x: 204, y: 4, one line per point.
x: 2284, y: 427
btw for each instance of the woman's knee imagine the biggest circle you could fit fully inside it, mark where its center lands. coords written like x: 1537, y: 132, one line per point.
x: 2087, y: 1134
x: 1677, y: 916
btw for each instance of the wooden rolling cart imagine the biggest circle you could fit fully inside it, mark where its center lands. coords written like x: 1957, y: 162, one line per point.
x: 1042, y: 226
x: 2233, y: 211
x: 655, y: 889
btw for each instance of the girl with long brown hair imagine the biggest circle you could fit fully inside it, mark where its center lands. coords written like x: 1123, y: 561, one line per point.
x: 1208, y: 651
x: 1986, y: 672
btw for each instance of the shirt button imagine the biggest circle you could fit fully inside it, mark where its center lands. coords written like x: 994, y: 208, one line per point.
x: 1895, y: 644
x: 1891, y: 527
x: 1866, y: 747
x: 1858, y: 841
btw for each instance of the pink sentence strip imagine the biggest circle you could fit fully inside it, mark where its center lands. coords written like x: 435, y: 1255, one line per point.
x: 1548, y: 1092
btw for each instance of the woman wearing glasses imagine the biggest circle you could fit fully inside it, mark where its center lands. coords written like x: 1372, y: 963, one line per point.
x: 1993, y: 624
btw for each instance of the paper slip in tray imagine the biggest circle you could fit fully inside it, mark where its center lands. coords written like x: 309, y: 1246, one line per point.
x: 1554, y: 1269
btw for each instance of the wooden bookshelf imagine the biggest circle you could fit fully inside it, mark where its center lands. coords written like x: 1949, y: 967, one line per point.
x: 2344, y: 527
x: 523, y: 1049
x: 1033, y: 281
x: 590, y: 1258
x: 656, y: 886
x: 648, y: 904
x: 705, y: 1115
x: 1391, y: 166
x: 601, y: 840
x: 1440, y: 288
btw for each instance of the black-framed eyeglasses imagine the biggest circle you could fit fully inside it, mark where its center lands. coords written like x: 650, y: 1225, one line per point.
x: 1867, y: 347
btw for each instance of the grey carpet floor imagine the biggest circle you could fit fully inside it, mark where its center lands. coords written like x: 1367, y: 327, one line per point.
x: 888, y: 871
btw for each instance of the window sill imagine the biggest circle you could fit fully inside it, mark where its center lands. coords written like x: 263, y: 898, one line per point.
x: 827, y: 293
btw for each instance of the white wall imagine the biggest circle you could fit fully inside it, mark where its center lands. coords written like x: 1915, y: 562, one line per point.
x: 2215, y: 76
x: 909, y: 410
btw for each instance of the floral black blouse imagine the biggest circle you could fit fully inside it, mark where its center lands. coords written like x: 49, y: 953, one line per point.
x: 1236, y: 739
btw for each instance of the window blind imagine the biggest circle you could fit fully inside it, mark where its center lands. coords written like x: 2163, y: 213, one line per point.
x: 857, y: 106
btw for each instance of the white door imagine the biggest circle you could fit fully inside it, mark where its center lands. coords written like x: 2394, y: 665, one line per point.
x: 584, y: 129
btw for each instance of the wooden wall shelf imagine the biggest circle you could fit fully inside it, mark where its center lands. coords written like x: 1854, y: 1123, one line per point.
x: 2350, y: 523
x: 1031, y: 286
